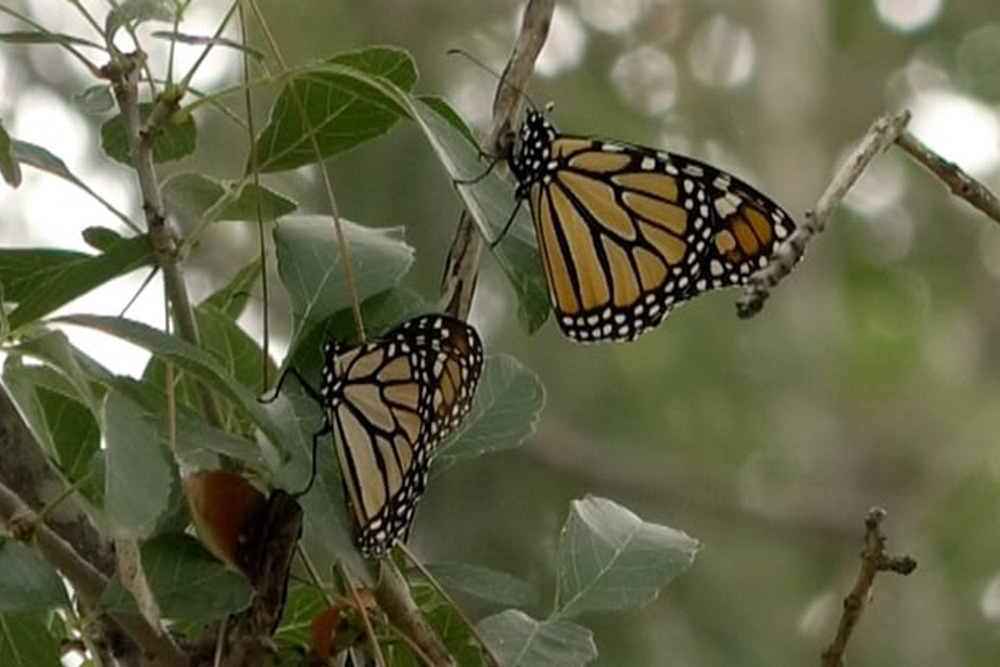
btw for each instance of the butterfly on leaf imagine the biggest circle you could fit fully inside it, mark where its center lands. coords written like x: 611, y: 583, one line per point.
x: 388, y: 404
x: 626, y: 233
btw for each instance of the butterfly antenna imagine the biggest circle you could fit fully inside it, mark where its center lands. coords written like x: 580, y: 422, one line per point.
x: 483, y: 66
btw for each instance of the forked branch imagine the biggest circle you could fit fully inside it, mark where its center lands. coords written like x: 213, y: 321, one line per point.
x: 873, y: 560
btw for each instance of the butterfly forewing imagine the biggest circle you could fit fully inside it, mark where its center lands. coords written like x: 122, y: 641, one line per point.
x: 390, y: 403
x: 627, y: 232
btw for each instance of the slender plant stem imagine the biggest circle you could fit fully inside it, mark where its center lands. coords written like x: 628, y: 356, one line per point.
x: 394, y: 598
x: 345, y: 256
x: 261, y: 238
x: 87, y: 16
x: 353, y: 592
x: 141, y: 140
x: 208, y: 47
x: 91, y: 67
x: 436, y: 585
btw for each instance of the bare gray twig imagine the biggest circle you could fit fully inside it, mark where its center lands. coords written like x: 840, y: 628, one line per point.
x: 873, y: 561
x: 961, y: 184
x: 462, y: 266
x: 123, y: 73
x: 883, y: 132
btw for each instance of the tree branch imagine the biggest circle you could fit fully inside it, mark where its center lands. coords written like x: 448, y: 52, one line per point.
x: 883, y: 132
x: 87, y: 581
x: 462, y: 266
x: 393, y: 596
x: 961, y: 184
x: 873, y: 561
x: 123, y: 73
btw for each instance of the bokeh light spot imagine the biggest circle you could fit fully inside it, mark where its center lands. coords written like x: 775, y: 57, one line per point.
x: 646, y: 79
x: 565, y: 46
x: 989, y: 601
x: 612, y: 16
x: 721, y: 53
x: 959, y: 128
x: 907, y: 15
x: 978, y: 61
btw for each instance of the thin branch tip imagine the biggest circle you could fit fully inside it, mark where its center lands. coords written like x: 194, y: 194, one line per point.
x: 873, y: 560
x: 880, y: 135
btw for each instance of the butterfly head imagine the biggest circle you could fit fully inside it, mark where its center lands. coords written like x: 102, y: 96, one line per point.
x: 532, y: 150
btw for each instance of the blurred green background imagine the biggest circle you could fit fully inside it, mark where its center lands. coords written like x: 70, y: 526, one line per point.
x: 871, y: 377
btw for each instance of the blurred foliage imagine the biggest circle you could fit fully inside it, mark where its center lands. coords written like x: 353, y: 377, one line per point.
x: 870, y: 377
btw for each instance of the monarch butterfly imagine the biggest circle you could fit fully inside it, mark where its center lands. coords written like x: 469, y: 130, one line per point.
x: 389, y: 403
x: 627, y: 232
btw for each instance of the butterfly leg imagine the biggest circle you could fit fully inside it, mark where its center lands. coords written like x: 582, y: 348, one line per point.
x: 506, y: 227
x: 326, y: 430
x: 313, y: 394
x: 475, y: 179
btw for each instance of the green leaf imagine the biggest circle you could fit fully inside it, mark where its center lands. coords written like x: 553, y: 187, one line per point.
x: 379, y: 313
x: 40, y: 158
x: 54, y: 348
x: 482, y: 583
x: 22, y: 268
x: 177, y: 137
x: 327, y: 529
x: 44, y: 37
x: 491, y: 203
x: 206, y: 40
x: 27, y: 582
x: 25, y: 641
x: 200, y: 444
x: 386, y: 62
x: 232, y: 297
x: 133, y: 12
x: 348, y: 99
x: 441, y: 107
x: 9, y: 168
x: 95, y: 100
x: 100, y: 238
x: 609, y: 559
x: 520, y: 641
x: 453, y: 632
x: 310, y: 267
x: 303, y: 604
x: 232, y: 348
x: 189, y: 583
x: 75, y: 433
x: 61, y: 284
x: 199, y: 199
x: 21, y: 388
x: 186, y: 357
x: 140, y: 472
x: 507, y: 406
x: 195, y: 438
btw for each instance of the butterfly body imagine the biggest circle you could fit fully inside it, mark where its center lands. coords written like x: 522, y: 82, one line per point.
x: 626, y: 232
x: 389, y: 404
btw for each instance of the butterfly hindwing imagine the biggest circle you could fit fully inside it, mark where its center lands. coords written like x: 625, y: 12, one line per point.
x: 390, y: 403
